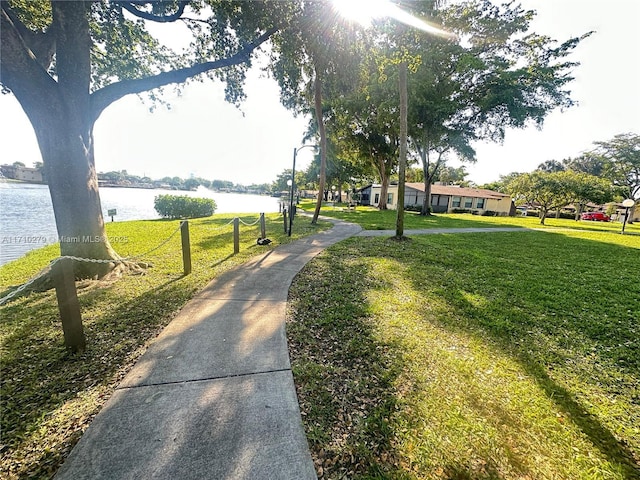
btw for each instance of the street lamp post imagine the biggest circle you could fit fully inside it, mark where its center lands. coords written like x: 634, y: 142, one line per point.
x: 293, y: 185
x: 627, y: 204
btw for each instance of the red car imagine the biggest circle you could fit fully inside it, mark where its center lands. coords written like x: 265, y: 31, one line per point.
x: 595, y: 216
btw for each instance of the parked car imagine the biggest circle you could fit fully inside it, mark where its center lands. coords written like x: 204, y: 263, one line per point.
x: 595, y: 216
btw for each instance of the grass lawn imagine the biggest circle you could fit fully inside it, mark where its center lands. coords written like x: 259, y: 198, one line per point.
x: 48, y: 395
x: 477, y: 356
x: 372, y: 219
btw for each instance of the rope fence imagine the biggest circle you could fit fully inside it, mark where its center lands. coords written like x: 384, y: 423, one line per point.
x: 63, y: 276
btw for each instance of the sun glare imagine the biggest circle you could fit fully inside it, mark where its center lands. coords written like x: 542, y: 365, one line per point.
x: 361, y: 11
x: 364, y: 12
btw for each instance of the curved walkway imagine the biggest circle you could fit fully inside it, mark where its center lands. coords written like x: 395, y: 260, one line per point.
x: 213, y: 397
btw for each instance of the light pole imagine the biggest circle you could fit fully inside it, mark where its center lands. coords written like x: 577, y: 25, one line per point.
x: 293, y: 184
x: 627, y: 204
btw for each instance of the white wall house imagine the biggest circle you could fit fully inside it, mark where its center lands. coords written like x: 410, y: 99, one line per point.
x: 444, y: 198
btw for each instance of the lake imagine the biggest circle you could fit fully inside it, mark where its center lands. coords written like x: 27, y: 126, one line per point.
x: 27, y: 221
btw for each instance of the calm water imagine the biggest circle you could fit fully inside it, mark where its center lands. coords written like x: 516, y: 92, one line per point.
x: 27, y: 221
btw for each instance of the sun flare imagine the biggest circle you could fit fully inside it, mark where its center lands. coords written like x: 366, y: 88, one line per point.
x: 361, y: 11
x: 364, y: 12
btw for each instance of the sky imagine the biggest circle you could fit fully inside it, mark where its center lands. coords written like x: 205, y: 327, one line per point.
x: 203, y: 136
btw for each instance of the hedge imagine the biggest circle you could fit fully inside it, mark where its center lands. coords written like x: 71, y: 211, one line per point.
x: 181, y: 206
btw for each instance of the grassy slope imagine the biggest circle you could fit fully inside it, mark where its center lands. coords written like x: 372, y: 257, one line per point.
x: 49, y: 396
x: 507, y: 355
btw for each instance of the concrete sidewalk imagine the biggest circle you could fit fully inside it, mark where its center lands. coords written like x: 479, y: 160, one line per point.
x: 213, y: 397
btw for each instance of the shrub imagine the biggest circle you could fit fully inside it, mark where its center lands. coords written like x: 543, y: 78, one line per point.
x: 413, y: 208
x: 465, y: 210
x: 181, y: 206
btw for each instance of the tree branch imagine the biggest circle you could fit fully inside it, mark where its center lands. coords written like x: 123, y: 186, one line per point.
x: 20, y: 71
x: 129, y: 7
x: 104, y: 97
x: 40, y: 44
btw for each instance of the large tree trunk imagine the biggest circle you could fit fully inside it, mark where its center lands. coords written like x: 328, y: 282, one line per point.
x: 426, y: 204
x: 543, y: 215
x: 73, y: 184
x: 61, y: 116
x: 317, y: 97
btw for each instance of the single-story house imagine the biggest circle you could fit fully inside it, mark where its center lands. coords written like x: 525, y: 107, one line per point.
x: 444, y: 198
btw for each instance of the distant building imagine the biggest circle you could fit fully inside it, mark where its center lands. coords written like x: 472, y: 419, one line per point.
x: 444, y: 199
x: 24, y: 174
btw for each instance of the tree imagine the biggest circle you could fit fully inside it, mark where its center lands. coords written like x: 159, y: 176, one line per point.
x: 280, y: 184
x: 402, y: 158
x: 452, y: 175
x: 191, y: 183
x: 555, y: 190
x: 314, y: 57
x: 502, y: 77
x: 622, y: 156
x: 66, y: 62
x: 364, y: 128
x: 221, y: 184
x: 502, y: 184
x: 588, y: 162
x: 584, y: 188
x: 551, y: 166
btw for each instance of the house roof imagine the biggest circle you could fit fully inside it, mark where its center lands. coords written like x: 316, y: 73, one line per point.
x: 458, y: 191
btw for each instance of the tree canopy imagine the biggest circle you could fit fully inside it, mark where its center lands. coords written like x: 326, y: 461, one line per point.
x: 66, y: 62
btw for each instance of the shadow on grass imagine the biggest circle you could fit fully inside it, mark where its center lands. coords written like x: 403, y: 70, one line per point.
x: 55, y: 377
x: 344, y: 374
x: 537, y: 307
x: 528, y: 293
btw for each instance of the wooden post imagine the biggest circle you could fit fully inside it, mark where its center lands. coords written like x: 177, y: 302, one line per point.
x: 186, y: 246
x: 236, y: 235
x: 263, y: 227
x: 284, y: 215
x: 65, y: 282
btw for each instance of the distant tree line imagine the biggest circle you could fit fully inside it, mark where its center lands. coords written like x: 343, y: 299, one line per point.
x: 608, y: 172
x: 124, y: 179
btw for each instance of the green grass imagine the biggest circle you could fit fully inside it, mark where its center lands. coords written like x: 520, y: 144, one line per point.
x: 471, y: 356
x: 372, y: 219
x: 48, y: 395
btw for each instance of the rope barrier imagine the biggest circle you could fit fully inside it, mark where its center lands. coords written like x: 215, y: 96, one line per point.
x: 22, y: 287
x: 216, y: 228
x: 8, y: 297
x: 249, y: 224
x: 156, y: 248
